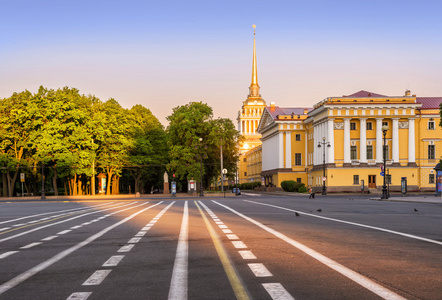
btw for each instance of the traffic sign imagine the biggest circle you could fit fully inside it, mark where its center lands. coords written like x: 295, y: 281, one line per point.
x: 324, y: 178
x: 22, y: 177
x: 382, y: 174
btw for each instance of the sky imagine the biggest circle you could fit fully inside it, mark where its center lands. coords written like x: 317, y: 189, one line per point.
x: 163, y: 54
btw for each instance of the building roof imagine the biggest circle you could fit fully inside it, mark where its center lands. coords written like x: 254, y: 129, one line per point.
x: 429, y: 102
x: 365, y: 94
x: 276, y: 111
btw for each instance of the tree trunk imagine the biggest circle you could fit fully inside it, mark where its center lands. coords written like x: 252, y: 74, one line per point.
x: 79, y: 186
x: 54, y: 181
x: 109, y: 176
x: 5, y: 185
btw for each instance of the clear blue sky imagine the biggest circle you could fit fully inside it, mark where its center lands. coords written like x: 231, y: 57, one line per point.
x: 162, y: 54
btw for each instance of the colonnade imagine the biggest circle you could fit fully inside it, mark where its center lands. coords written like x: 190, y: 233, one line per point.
x: 248, y: 126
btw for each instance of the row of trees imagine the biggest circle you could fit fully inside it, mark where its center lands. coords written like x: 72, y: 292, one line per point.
x: 75, y: 136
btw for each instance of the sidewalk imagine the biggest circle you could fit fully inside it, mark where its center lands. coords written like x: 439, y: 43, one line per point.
x: 412, y: 198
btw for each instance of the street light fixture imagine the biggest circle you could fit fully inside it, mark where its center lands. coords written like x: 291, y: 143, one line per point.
x: 323, y: 143
x: 384, y: 152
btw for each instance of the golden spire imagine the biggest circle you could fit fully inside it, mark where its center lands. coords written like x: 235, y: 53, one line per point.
x: 254, y: 87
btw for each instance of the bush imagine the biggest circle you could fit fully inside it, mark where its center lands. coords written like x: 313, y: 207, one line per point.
x: 293, y: 186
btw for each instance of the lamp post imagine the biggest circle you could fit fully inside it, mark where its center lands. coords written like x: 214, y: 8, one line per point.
x: 384, y: 187
x: 323, y: 143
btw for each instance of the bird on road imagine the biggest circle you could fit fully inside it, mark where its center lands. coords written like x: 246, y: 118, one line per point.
x: 415, y: 209
x: 319, y: 210
x: 296, y: 214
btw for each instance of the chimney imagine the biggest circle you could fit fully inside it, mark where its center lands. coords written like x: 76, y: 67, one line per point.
x: 407, y: 93
x: 272, y: 105
x: 305, y: 111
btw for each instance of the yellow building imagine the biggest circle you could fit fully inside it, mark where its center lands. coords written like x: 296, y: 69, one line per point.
x: 352, y: 126
x: 248, y: 120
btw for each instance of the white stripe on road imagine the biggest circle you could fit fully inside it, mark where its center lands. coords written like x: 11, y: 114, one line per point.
x: 31, y: 245
x: 277, y: 291
x: 64, y: 231
x: 76, y: 227
x: 49, y: 238
x: 259, y: 270
x: 126, y: 248
x: 141, y: 233
x: 356, y: 277
x: 178, y: 284
x: 247, y: 254
x: 79, y: 296
x: 239, y: 244
x: 353, y: 223
x: 232, y: 237
x: 6, y: 254
x: 134, y: 240
x: 113, y: 261
x: 227, y: 231
x: 31, y: 272
x: 5, y: 228
x: 223, y: 226
x: 97, y: 277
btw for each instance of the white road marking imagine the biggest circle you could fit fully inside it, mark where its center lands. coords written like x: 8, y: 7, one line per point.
x: 40, y: 267
x: 134, y: 240
x: 6, y: 254
x: 247, y: 254
x: 49, y: 238
x: 31, y: 222
x: 76, y: 227
x: 113, y: 261
x: 31, y: 245
x: 222, y: 226
x: 52, y: 224
x: 355, y: 224
x: 352, y: 275
x: 239, y: 244
x: 5, y: 228
x: 64, y: 231
x: 227, y: 231
x: 146, y: 228
x: 79, y: 296
x: 16, y: 225
x: 97, y: 277
x: 141, y: 233
x: 232, y: 236
x: 259, y: 270
x: 277, y: 291
x: 86, y: 223
x: 253, y: 195
x: 216, y: 220
x: 219, y: 223
x: 178, y: 284
x: 126, y: 248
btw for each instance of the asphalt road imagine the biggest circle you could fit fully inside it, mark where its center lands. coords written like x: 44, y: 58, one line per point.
x: 247, y: 247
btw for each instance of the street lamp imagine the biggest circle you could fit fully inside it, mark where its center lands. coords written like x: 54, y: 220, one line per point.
x: 384, y: 187
x: 323, y: 143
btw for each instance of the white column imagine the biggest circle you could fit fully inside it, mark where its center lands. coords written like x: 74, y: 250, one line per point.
x: 331, y: 139
x: 248, y: 126
x: 379, y: 140
x: 281, y: 150
x: 315, y: 142
x: 288, y: 150
x: 253, y: 126
x: 347, y: 159
x: 363, y: 140
x: 240, y: 126
x: 411, y: 142
x: 395, y: 133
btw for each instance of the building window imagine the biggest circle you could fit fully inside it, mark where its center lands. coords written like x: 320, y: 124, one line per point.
x: 298, y: 161
x: 298, y: 180
x: 369, y: 126
x: 352, y: 125
x: 298, y: 137
x: 245, y: 159
x: 431, y: 125
x: 245, y: 173
x: 385, y: 124
x: 386, y: 152
x: 370, y: 152
x: 355, y: 179
x: 431, y: 178
x: 431, y: 152
x: 353, y: 152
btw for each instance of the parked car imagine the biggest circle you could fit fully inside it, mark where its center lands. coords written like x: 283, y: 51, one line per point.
x: 234, y: 190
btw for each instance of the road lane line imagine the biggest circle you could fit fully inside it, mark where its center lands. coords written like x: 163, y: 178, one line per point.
x: 353, y: 223
x: 5, y: 228
x: 64, y: 231
x: 6, y: 254
x: 126, y: 248
x: 352, y: 275
x: 31, y: 245
x: 247, y: 254
x: 97, y: 277
x: 52, y: 224
x: 235, y: 282
x: 232, y: 236
x: 31, y: 272
x: 259, y: 270
x: 113, y: 261
x: 52, y: 212
x: 141, y: 233
x: 134, y: 240
x: 79, y: 296
x: 277, y: 291
x: 178, y: 284
x: 76, y: 227
x: 239, y: 244
x: 227, y: 231
x: 49, y: 238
